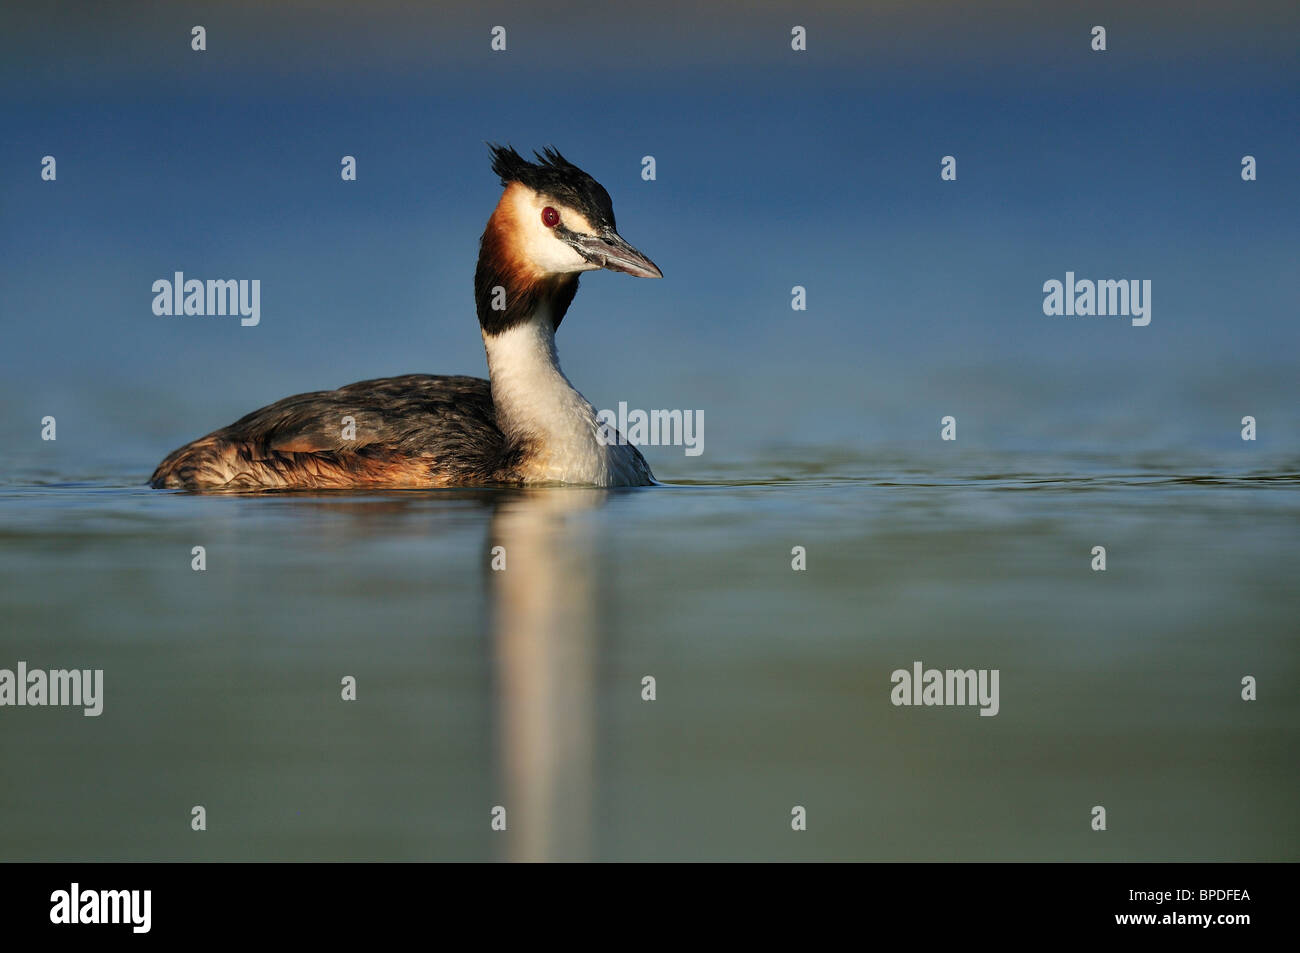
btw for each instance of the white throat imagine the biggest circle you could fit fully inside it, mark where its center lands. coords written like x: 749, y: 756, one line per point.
x: 536, y: 403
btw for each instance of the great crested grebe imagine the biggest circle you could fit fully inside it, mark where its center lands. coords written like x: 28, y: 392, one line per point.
x: 528, y: 425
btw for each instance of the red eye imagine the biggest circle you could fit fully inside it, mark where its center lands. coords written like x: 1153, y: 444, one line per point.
x: 550, y: 217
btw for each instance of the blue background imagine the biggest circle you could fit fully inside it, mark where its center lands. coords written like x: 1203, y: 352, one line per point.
x: 775, y: 168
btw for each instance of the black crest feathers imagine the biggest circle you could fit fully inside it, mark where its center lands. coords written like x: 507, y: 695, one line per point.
x: 556, y: 176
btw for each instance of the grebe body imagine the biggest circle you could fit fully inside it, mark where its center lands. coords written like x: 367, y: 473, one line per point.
x: 526, y: 425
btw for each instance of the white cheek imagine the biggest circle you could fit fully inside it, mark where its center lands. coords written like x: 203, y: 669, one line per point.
x: 551, y: 255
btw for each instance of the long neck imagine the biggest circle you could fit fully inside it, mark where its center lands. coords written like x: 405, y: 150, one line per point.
x: 543, y: 414
x: 533, y: 398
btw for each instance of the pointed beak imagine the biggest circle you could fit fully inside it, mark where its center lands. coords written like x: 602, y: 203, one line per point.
x: 609, y: 250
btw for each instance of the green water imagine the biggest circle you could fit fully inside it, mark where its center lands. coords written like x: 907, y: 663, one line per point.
x: 522, y: 688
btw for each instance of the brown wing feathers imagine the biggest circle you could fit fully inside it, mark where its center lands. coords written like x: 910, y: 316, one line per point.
x: 415, y: 430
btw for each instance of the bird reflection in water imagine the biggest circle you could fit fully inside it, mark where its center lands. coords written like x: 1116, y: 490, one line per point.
x: 543, y: 624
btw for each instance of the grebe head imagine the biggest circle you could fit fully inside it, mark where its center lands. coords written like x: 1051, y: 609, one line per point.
x: 554, y: 219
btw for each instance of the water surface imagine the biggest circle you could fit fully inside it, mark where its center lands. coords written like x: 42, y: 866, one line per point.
x: 523, y: 688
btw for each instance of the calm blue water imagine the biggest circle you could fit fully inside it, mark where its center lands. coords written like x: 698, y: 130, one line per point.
x: 522, y: 688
